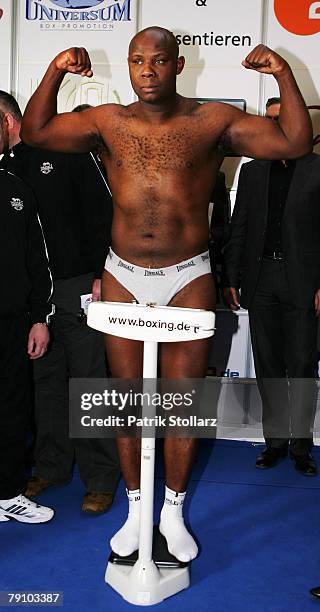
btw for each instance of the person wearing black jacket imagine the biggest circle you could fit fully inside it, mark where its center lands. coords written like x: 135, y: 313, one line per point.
x: 75, y: 210
x: 273, y: 255
x: 25, y: 309
x: 219, y: 228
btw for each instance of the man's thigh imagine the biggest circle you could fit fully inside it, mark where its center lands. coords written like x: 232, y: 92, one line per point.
x: 14, y: 377
x: 53, y: 365
x: 84, y: 348
x: 189, y: 359
x: 266, y: 325
x: 300, y: 325
x: 125, y: 357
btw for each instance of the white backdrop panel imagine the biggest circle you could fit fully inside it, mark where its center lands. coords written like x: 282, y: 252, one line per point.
x: 5, y: 43
x: 105, y: 29
x: 105, y: 86
x: 224, y: 19
x: 300, y: 50
x: 229, y: 352
x: 211, y: 82
x: 213, y: 65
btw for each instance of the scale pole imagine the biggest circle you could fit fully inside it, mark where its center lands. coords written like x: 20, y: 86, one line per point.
x: 150, y: 360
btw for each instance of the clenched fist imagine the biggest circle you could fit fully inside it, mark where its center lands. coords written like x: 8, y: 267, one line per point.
x: 263, y: 59
x: 75, y: 60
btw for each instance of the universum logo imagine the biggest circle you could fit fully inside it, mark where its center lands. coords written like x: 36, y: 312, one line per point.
x: 300, y: 17
x: 78, y: 14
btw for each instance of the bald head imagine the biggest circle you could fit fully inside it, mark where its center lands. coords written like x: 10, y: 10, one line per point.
x: 162, y: 37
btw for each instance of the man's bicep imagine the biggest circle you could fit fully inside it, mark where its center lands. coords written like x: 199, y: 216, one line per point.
x: 225, y: 117
x: 67, y: 133
x: 257, y: 137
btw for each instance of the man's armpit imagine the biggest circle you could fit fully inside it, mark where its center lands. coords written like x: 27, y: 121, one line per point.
x: 98, y: 145
x: 225, y: 144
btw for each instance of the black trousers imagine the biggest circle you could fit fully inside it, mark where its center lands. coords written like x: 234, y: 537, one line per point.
x: 76, y: 351
x: 284, y: 339
x: 14, y: 404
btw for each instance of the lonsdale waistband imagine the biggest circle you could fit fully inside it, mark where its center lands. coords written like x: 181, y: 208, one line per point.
x: 195, y: 261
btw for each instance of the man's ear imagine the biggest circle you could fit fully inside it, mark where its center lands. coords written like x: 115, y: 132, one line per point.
x: 180, y: 64
x: 9, y: 120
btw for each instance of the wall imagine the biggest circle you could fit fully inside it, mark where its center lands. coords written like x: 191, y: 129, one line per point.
x: 6, y: 40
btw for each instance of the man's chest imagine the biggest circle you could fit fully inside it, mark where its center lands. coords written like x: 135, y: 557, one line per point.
x: 167, y: 149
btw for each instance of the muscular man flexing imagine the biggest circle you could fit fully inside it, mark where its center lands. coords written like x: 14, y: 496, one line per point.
x: 162, y: 154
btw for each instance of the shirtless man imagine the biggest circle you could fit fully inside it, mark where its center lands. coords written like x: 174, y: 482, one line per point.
x: 162, y: 154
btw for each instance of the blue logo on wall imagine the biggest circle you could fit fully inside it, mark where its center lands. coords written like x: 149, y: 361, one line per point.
x: 78, y: 14
x: 76, y: 4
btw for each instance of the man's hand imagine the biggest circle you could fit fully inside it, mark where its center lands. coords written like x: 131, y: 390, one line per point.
x: 263, y: 59
x: 75, y: 60
x: 317, y: 302
x: 38, y: 340
x: 96, y: 290
x: 230, y: 297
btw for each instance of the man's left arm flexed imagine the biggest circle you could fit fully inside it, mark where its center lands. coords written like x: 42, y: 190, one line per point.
x: 258, y: 137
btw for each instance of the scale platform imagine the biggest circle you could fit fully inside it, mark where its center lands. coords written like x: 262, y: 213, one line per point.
x: 145, y: 583
x: 160, y: 554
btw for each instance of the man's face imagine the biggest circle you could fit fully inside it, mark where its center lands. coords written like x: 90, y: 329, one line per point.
x: 153, y: 67
x: 273, y: 112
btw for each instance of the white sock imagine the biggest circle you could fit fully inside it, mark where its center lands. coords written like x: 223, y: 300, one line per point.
x: 126, y: 540
x: 180, y: 543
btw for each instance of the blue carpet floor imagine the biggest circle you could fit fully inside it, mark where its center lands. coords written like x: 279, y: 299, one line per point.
x: 259, y: 534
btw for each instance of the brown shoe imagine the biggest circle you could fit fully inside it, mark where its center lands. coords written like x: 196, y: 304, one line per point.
x: 97, y: 503
x: 35, y: 486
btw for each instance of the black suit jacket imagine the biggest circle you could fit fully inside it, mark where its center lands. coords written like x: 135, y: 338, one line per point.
x: 300, y: 230
x: 221, y: 215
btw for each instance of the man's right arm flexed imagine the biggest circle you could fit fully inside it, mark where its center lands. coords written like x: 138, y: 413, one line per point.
x: 68, y: 132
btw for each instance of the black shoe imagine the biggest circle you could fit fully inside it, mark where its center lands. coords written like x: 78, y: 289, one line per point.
x: 305, y: 464
x: 270, y: 457
x: 315, y: 592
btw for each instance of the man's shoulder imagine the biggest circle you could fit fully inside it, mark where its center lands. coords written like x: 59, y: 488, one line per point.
x: 310, y: 163
x: 218, y: 113
x: 312, y: 158
x: 111, y: 111
x: 9, y: 178
x: 253, y: 165
x: 14, y: 187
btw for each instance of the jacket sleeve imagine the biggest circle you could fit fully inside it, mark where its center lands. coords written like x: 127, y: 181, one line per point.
x: 234, y: 249
x: 40, y: 305
x: 97, y: 202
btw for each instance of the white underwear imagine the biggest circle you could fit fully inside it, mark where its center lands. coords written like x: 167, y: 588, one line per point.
x: 156, y: 285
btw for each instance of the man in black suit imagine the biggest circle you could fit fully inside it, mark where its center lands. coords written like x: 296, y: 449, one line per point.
x: 219, y: 228
x: 273, y: 255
